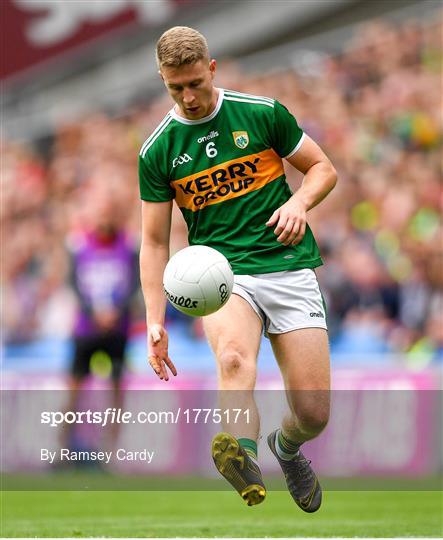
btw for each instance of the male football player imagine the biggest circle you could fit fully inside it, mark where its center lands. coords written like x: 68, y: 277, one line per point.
x: 219, y: 154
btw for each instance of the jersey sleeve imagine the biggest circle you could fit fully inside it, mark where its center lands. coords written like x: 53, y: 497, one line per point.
x: 154, y: 186
x: 287, y: 134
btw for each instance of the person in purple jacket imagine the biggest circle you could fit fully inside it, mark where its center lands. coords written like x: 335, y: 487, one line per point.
x: 104, y: 276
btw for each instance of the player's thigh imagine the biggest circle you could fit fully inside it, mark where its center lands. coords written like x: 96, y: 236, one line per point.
x: 303, y: 358
x: 235, y: 328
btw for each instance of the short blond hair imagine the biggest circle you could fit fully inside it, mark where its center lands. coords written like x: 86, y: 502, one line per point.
x: 181, y: 45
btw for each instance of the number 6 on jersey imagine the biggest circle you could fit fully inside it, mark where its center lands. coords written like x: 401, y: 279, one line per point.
x: 211, y: 150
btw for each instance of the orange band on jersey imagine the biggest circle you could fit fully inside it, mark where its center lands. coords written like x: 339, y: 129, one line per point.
x: 228, y: 180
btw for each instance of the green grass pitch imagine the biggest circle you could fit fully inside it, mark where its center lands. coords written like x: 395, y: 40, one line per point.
x: 217, y: 514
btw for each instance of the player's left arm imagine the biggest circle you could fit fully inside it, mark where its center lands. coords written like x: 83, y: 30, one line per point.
x: 319, y: 179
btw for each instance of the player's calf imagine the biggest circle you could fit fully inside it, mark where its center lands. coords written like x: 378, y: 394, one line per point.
x: 311, y: 414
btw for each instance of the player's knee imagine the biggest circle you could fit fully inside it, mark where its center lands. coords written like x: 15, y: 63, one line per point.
x: 232, y: 364
x: 313, y: 419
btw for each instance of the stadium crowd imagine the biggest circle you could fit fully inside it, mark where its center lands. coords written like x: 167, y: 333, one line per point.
x: 375, y: 110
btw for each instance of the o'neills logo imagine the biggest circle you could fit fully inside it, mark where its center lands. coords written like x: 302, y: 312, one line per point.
x: 212, y: 135
x: 181, y: 301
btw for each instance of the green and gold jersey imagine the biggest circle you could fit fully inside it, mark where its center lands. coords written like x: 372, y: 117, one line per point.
x: 226, y: 174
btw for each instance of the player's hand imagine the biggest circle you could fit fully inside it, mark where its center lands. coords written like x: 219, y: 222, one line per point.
x: 158, y: 352
x: 291, y: 221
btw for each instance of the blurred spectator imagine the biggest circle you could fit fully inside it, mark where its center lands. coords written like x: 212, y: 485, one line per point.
x: 105, y: 279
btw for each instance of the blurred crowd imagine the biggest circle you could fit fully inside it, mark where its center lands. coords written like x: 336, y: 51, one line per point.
x: 376, y: 111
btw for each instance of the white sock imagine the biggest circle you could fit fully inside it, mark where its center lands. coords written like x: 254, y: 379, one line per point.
x: 281, y: 453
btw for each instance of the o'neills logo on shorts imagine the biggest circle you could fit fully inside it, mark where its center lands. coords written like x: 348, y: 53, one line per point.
x: 181, y: 301
x: 227, y: 180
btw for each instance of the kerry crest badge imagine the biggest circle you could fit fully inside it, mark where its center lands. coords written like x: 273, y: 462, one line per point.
x: 241, y: 138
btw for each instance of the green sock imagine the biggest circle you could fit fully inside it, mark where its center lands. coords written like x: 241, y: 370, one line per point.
x: 286, y: 448
x: 250, y: 447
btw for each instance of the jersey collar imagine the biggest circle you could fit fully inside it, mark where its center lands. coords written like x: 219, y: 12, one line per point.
x: 201, y: 120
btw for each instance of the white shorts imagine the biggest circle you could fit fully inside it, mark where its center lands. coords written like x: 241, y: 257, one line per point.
x: 284, y: 301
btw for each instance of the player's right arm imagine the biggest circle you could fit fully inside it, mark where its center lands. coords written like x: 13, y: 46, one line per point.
x: 154, y: 255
